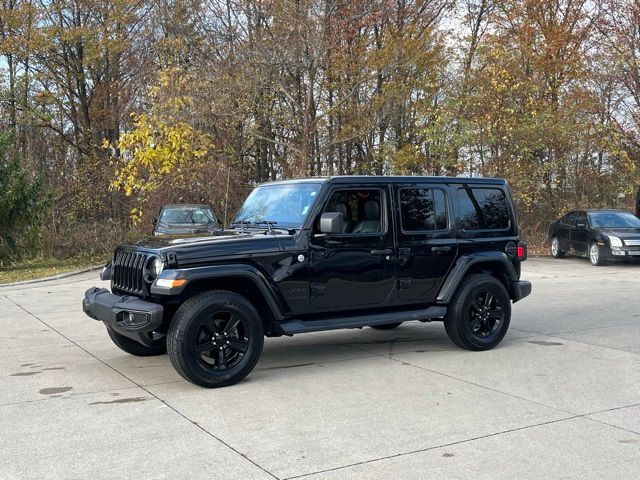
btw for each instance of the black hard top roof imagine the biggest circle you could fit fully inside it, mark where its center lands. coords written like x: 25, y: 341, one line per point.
x: 377, y: 179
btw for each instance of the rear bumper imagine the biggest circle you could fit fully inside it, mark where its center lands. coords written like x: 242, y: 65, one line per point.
x: 520, y: 289
x: 128, y: 316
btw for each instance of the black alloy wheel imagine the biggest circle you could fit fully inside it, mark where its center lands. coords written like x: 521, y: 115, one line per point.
x: 486, y: 314
x: 215, y: 338
x: 222, y: 340
x: 479, y: 314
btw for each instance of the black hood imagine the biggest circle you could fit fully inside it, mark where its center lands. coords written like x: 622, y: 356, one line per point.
x: 217, y: 237
x: 622, y: 233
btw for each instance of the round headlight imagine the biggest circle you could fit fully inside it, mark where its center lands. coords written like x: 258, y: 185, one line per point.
x: 158, y: 266
x: 153, y: 269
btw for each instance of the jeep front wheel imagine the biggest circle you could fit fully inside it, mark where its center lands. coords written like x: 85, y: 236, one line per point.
x: 479, y: 315
x: 158, y: 344
x: 215, y: 339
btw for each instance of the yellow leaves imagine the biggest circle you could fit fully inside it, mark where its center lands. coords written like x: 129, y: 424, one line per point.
x: 161, y: 144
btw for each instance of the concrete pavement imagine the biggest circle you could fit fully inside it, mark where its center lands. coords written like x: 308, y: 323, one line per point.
x: 559, y: 398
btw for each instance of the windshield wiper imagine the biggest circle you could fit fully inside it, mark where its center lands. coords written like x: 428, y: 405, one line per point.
x: 269, y: 223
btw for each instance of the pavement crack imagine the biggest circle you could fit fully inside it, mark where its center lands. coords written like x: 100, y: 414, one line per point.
x: 434, y: 447
x: 175, y: 410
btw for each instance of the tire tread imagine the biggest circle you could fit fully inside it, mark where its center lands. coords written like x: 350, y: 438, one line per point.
x: 175, y: 335
x: 452, y: 324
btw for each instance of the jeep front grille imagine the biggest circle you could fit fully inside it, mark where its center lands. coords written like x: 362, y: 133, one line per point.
x: 632, y: 243
x: 127, y: 275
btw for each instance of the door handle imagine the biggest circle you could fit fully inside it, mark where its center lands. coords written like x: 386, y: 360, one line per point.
x: 441, y: 249
x: 386, y: 251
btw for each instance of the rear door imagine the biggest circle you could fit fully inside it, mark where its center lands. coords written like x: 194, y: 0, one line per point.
x: 564, y: 229
x: 580, y: 234
x: 426, y: 240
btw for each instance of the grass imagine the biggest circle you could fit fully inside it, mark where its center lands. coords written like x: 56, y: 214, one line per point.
x: 45, y: 267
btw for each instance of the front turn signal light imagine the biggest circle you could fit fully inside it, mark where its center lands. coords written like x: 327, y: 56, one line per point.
x: 171, y: 283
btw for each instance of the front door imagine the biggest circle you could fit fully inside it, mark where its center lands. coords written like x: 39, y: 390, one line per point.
x: 426, y: 242
x: 356, y: 267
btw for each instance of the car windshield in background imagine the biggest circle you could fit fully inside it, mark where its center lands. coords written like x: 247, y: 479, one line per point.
x: 287, y: 205
x: 614, y: 220
x: 187, y: 215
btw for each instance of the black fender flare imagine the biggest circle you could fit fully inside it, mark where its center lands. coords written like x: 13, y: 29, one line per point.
x: 465, y: 262
x: 220, y: 272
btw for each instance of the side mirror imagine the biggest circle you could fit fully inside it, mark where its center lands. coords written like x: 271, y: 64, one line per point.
x: 581, y: 225
x: 331, y: 222
x: 154, y: 222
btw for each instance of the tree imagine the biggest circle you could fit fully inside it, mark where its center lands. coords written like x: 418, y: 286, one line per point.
x: 163, y: 149
x: 23, y: 206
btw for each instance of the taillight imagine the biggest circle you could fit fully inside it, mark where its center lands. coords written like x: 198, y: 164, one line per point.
x: 521, y: 251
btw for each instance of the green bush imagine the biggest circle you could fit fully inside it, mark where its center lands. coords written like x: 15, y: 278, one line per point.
x: 23, y: 206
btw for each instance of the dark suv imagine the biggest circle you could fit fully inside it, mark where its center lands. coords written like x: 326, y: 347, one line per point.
x: 319, y: 254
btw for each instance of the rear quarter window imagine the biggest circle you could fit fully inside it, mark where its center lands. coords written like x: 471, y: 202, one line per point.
x: 483, y: 208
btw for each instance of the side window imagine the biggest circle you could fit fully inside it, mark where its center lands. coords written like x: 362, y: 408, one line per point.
x: 581, y: 218
x: 422, y: 209
x: 483, y: 209
x: 362, y: 210
x: 569, y: 218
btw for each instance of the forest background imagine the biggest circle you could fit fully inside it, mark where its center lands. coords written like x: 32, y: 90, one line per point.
x: 109, y: 109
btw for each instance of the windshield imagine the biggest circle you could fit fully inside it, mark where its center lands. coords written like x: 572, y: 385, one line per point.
x: 187, y: 215
x: 614, y: 220
x: 286, y: 204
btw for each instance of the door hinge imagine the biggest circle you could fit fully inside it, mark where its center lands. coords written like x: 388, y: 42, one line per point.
x: 317, y: 290
x: 172, y: 260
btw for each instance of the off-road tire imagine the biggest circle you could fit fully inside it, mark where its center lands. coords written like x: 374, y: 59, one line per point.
x: 387, y: 326
x: 457, y: 320
x: 135, y: 348
x: 181, y: 338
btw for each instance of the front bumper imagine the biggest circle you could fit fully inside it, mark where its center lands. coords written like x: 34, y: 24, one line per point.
x: 521, y: 289
x: 128, y: 316
x: 623, y: 252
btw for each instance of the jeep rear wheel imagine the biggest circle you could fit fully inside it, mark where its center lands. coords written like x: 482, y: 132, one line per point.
x: 215, y: 339
x: 479, y: 315
x: 158, y: 344
x: 387, y: 326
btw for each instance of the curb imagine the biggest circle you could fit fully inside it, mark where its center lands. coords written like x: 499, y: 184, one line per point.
x: 52, y: 277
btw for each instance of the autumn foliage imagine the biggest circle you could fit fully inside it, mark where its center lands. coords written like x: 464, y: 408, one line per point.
x: 120, y: 106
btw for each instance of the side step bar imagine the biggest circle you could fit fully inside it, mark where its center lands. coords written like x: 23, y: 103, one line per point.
x: 303, y: 326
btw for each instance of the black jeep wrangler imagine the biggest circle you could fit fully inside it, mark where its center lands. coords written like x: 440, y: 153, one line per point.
x: 319, y: 254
